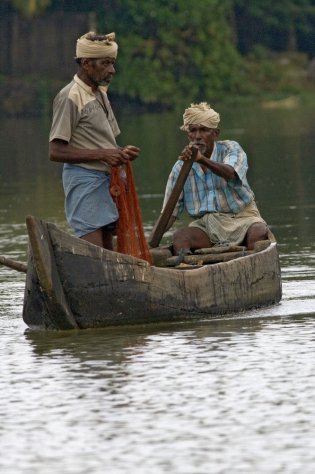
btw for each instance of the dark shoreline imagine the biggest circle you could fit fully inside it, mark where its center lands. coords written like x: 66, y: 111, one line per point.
x: 33, y: 96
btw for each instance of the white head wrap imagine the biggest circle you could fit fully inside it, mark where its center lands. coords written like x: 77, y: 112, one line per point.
x: 200, y: 114
x: 100, y: 48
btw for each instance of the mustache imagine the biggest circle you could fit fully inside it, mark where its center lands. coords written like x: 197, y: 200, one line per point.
x: 199, y: 144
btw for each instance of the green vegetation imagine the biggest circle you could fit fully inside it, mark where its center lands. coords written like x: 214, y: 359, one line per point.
x: 173, y: 49
x: 30, y: 8
x: 179, y: 50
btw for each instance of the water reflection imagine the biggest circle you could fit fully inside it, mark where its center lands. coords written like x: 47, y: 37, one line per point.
x: 107, y: 343
x: 114, y: 345
x: 192, y: 398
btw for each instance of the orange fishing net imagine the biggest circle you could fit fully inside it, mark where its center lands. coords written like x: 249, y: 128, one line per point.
x: 130, y: 234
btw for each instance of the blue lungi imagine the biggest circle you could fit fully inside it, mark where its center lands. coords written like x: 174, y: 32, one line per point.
x: 88, y: 202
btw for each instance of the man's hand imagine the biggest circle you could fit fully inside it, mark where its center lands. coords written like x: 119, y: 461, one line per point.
x: 131, y: 152
x: 120, y: 156
x: 62, y: 152
x: 186, y: 154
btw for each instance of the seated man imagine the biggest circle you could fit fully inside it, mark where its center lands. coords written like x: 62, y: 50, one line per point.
x: 216, y: 193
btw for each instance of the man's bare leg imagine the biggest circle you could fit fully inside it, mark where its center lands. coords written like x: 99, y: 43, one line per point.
x: 190, y: 238
x: 108, y: 239
x: 102, y: 237
x: 256, y: 232
x: 95, y: 237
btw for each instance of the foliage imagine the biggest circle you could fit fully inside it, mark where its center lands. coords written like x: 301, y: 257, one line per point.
x: 31, y: 7
x: 283, y: 24
x: 280, y: 13
x: 172, y: 50
x: 175, y: 51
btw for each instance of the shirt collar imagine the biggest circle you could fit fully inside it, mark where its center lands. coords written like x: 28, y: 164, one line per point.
x: 87, y: 88
x: 213, y: 151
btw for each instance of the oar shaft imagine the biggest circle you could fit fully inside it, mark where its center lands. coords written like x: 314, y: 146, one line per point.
x: 161, y: 225
x: 14, y: 264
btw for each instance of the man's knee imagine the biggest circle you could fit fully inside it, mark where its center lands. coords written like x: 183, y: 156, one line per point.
x: 259, y: 229
x: 183, y: 233
x: 181, y: 238
x: 190, y: 238
x: 256, y: 232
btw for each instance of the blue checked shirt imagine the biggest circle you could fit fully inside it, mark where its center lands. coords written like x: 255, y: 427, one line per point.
x: 206, y: 192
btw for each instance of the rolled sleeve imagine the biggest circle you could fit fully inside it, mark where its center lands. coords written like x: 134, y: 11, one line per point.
x: 237, y: 158
x: 65, y: 119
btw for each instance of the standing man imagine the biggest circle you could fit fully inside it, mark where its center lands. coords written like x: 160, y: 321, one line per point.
x: 83, y: 137
x: 216, y: 193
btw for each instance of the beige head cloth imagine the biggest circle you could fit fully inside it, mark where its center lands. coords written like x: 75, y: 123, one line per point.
x: 200, y: 114
x: 103, y: 46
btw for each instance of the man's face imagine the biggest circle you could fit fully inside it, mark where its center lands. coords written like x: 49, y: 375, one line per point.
x: 202, y: 137
x: 100, y: 71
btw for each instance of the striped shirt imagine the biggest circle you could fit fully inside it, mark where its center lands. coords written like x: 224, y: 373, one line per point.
x: 206, y: 192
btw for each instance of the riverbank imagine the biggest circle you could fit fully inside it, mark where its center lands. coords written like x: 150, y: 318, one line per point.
x: 274, y: 80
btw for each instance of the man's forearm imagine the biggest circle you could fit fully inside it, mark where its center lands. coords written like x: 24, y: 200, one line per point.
x: 225, y: 171
x: 70, y: 154
x: 62, y: 152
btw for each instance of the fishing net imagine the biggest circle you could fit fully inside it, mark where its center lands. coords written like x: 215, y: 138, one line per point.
x: 130, y: 234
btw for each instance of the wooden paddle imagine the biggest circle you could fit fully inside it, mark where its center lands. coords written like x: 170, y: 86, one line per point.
x: 14, y: 264
x: 161, y: 224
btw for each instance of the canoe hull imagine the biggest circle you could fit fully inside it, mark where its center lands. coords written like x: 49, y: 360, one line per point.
x: 98, y: 288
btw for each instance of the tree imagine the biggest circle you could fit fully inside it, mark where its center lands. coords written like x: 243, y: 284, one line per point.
x: 171, y: 50
x: 274, y: 24
x: 31, y: 7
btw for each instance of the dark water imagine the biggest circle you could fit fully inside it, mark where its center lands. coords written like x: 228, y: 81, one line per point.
x: 221, y: 396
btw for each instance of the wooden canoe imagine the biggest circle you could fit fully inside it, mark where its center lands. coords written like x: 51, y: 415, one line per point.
x: 71, y: 284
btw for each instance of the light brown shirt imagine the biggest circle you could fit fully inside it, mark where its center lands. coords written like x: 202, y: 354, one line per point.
x: 84, y: 119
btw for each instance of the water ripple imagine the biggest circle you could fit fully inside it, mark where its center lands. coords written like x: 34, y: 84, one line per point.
x: 233, y: 394
x: 195, y: 398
